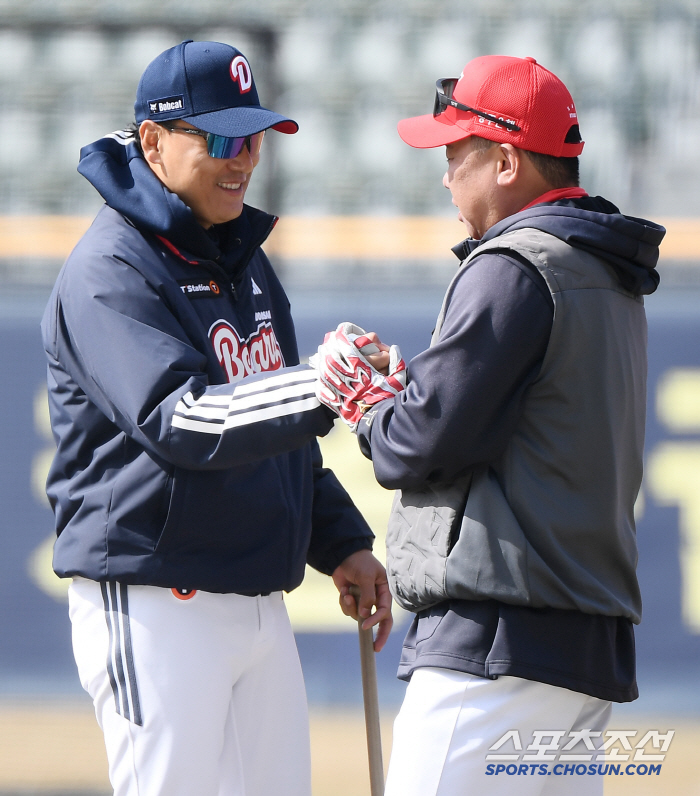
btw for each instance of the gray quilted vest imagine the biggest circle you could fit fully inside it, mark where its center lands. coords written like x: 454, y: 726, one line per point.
x: 551, y: 522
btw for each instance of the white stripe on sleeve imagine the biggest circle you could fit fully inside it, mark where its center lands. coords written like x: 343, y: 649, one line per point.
x: 266, y: 399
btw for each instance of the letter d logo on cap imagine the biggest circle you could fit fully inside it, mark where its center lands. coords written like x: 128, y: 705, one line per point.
x: 241, y: 74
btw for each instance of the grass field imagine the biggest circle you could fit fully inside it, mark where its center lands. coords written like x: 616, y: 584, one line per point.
x: 56, y: 749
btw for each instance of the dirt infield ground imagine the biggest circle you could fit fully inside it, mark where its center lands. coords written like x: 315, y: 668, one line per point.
x: 56, y: 748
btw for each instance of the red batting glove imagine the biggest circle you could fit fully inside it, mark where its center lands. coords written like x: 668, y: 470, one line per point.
x: 348, y: 384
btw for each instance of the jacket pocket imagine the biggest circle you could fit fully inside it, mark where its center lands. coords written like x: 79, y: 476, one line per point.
x: 428, y: 622
x: 222, y: 512
x: 177, y: 487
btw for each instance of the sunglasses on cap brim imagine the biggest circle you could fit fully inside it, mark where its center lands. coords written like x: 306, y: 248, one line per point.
x: 222, y: 146
x: 444, y: 89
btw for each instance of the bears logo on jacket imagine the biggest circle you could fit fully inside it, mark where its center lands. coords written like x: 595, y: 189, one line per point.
x: 238, y: 357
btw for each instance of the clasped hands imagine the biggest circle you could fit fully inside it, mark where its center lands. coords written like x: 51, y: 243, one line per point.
x: 356, y: 371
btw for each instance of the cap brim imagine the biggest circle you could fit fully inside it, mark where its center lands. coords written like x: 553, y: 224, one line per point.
x: 242, y: 121
x: 426, y: 132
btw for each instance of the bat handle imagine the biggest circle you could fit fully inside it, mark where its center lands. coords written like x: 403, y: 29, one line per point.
x: 371, y: 700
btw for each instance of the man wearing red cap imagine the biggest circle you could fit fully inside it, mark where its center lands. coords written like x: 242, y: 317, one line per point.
x: 517, y: 449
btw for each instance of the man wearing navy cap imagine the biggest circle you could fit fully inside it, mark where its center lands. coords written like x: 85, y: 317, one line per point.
x: 517, y: 449
x: 188, y: 486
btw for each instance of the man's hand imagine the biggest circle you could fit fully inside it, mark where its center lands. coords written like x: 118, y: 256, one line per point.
x: 363, y: 570
x: 356, y: 371
x: 382, y: 359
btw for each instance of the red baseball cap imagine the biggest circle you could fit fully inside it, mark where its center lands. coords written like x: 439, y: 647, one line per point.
x: 501, y: 98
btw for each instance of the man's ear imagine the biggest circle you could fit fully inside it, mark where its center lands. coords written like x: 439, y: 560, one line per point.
x: 150, y: 134
x: 509, y: 164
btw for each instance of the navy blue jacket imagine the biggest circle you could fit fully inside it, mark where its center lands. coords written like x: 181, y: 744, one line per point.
x: 185, y: 426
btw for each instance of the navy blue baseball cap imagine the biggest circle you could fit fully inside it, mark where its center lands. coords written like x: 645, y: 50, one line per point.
x: 211, y: 86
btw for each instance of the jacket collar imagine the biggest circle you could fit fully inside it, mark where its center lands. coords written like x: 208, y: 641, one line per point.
x: 230, y: 246
x: 116, y: 168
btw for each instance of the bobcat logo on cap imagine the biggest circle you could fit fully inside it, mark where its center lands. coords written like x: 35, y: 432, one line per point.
x: 241, y: 74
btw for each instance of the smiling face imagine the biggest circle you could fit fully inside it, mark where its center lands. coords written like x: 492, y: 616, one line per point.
x: 213, y: 188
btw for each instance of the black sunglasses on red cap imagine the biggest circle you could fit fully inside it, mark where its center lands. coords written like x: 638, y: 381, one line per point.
x: 444, y: 89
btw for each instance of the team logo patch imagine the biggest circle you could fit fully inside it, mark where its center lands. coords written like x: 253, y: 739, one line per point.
x: 205, y: 288
x: 241, y: 74
x: 238, y: 357
x: 166, y: 105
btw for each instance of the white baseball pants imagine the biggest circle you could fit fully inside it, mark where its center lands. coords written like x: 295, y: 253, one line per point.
x: 198, y: 694
x: 449, y: 720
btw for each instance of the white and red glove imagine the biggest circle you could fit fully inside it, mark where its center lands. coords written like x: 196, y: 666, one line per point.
x: 348, y: 384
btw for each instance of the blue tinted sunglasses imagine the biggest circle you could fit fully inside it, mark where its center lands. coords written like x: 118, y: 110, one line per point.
x: 221, y: 146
